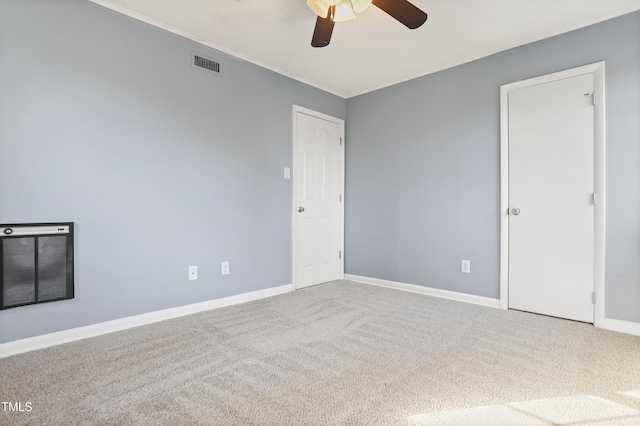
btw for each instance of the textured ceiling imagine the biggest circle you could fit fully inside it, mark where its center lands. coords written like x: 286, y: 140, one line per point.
x: 374, y: 50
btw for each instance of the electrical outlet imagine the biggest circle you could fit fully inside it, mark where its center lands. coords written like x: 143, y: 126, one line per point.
x: 193, y: 273
x: 224, y: 268
x: 465, y: 266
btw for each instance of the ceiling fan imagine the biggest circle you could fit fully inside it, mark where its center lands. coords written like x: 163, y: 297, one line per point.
x: 331, y: 11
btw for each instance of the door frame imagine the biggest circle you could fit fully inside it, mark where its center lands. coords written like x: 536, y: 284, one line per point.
x: 598, y: 69
x: 295, y: 173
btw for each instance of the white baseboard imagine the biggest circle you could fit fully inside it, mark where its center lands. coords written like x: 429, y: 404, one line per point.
x: 443, y: 294
x: 621, y: 326
x: 66, y: 336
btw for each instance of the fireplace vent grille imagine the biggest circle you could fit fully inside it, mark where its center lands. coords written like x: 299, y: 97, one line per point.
x: 36, y: 263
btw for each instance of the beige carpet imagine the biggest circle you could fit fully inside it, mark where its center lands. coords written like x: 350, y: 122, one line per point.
x: 337, y: 353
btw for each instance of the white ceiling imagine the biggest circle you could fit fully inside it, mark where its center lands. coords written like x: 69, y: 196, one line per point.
x: 374, y: 50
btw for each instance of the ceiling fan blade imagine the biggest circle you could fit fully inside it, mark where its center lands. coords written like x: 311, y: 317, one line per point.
x: 324, y: 29
x: 403, y: 11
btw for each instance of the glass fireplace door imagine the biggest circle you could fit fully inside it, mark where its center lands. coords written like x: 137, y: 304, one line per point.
x: 37, y: 263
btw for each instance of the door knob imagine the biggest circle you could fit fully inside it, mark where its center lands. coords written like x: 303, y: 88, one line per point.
x: 515, y: 211
x: 300, y: 209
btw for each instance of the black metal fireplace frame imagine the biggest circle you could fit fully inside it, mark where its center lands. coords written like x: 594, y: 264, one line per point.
x: 7, y: 232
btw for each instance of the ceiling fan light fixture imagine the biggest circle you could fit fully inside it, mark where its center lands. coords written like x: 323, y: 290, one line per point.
x: 360, y: 5
x: 319, y: 7
x: 402, y: 11
x: 344, y: 11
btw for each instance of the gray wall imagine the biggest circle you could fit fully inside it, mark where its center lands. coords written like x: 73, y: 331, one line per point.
x: 423, y: 167
x: 103, y: 122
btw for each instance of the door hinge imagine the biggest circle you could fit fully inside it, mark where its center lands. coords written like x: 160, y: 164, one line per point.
x: 340, y: 140
x: 593, y: 297
x: 595, y: 198
x: 340, y: 197
x: 594, y: 99
x: 340, y: 255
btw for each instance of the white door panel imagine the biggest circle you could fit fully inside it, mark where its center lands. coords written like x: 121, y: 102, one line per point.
x: 551, y: 182
x: 318, y: 213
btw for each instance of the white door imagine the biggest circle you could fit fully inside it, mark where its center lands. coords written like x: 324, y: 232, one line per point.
x: 318, y: 181
x: 551, y: 204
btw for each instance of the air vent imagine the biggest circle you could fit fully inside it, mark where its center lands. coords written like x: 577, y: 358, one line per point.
x: 203, y: 63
